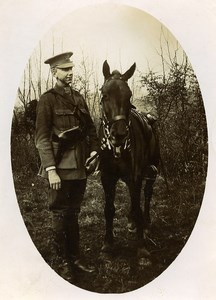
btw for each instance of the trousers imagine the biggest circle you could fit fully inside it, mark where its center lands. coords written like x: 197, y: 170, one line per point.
x: 65, y: 207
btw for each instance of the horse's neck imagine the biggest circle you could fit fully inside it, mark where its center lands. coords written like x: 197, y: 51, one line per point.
x: 141, y: 120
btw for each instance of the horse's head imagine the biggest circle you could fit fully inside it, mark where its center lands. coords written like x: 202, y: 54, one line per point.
x: 116, y: 103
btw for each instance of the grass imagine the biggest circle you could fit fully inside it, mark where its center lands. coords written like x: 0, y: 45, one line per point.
x: 173, y: 217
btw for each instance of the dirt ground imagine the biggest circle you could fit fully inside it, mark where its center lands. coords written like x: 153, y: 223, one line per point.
x: 173, y: 217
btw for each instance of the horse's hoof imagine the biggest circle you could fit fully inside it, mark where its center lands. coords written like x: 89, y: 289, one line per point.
x: 143, y: 253
x: 107, y: 247
x: 146, y: 233
x: 147, y: 223
x: 143, y: 256
x: 144, y: 262
x: 131, y: 227
x: 105, y: 257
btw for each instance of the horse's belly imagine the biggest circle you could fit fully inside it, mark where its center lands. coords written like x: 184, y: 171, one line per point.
x: 119, y: 167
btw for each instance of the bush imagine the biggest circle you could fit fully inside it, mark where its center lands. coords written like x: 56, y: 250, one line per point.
x: 181, y: 122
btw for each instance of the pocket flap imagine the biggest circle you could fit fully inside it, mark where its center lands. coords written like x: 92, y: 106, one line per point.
x: 84, y: 111
x: 64, y: 112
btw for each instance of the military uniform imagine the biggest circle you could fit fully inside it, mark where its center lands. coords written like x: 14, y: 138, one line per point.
x: 59, y: 110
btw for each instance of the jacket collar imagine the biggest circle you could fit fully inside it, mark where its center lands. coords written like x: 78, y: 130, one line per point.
x: 60, y: 90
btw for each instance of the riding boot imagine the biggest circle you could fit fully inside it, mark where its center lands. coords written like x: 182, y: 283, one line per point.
x: 72, y: 241
x: 72, y: 236
x: 60, y: 261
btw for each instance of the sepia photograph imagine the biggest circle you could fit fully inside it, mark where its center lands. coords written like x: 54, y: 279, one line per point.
x: 109, y: 151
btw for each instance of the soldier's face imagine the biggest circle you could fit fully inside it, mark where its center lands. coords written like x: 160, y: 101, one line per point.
x: 64, y: 75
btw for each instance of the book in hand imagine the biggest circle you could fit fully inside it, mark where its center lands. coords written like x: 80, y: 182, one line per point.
x: 73, y: 134
x: 92, y: 164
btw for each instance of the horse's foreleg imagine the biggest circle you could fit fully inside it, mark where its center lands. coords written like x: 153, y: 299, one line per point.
x: 151, y: 174
x: 148, y: 191
x: 136, y: 215
x: 109, y: 185
x: 143, y: 254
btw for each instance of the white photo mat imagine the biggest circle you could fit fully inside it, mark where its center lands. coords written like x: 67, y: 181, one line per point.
x: 23, y: 272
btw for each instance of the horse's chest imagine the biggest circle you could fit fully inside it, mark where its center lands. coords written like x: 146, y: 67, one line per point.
x: 116, y: 166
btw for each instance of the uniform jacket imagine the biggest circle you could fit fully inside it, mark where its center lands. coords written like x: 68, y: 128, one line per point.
x: 56, y: 113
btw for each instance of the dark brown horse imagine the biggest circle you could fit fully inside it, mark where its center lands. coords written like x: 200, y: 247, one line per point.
x: 129, y: 152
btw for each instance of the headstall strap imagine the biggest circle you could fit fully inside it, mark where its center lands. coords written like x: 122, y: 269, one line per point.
x: 105, y: 142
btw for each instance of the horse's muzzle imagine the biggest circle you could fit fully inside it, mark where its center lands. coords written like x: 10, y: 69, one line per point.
x: 118, y: 141
x: 118, y: 133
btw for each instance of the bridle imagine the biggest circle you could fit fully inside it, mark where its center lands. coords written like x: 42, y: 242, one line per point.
x: 107, y: 124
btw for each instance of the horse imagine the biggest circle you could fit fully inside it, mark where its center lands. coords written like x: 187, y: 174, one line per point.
x: 129, y: 151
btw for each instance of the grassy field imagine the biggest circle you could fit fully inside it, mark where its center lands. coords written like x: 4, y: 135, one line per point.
x: 173, y: 217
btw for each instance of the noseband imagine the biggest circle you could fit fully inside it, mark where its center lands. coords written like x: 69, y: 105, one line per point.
x: 119, y: 117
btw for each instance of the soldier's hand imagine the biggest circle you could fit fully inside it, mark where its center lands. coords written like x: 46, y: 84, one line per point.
x: 54, y: 180
x: 92, y: 163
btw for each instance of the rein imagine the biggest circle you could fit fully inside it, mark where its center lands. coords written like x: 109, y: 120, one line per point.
x: 106, y: 142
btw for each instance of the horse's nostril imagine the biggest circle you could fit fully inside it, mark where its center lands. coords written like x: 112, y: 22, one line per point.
x: 118, y: 134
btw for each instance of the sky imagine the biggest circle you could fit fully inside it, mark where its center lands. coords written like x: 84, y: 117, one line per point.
x: 121, y: 34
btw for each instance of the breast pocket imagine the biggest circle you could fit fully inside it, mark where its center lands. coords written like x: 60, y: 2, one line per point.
x: 64, y: 119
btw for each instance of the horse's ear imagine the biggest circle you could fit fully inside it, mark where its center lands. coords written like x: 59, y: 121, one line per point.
x: 129, y: 73
x: 132, y: 106
x: 106, y: 70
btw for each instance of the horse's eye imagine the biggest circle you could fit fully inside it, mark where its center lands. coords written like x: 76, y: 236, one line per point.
x: 105, y: 97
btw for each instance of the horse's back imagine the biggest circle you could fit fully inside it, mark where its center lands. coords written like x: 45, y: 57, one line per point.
x: 145, y: 150
x: 140, y: 122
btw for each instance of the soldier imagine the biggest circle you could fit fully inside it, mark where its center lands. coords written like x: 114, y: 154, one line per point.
x: 66, y: 139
